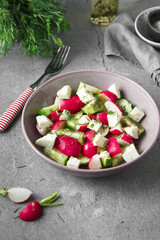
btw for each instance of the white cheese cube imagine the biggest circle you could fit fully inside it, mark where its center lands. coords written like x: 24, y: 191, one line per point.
x: 84, y: 95
x: 73, y: 162
x: 114, y: 89
x: 84, y: 119
x: 64, y: 92
x: 65, y: 115
x: 43, y: 122
x: 47, y: 140
x: 130, y: 153
x: 99, y: 140
x: 94, y: 125
x: 132, y: 131
x: 104, y: 154
x: 136, y: 114
x: 114, y: 119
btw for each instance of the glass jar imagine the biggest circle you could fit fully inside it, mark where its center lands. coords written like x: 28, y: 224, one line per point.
x: 103, y: 11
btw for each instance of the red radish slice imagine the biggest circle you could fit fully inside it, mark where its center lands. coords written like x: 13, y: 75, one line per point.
x: 125, y: 139
x: 58, y: 125
x: 89, y: 136
x: 102, y: 117
x: 17, y: 194
x: 54, y: 116
x: 31, y: 212
x: 117, y: 130
x: 113, y: 147
x: 88, y: 149
x: 41, y: 131
x: 108, y: 96
x: 73, y: 105
x: 112, y: 107
x: 81, y: 128
x: 93, y: 116
x: 95, y: 162
x: 68, y: 145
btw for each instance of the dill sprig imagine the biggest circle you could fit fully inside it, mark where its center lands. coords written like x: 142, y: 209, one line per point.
x: 32, y: 24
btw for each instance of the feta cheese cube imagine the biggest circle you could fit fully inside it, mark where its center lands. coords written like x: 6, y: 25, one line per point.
x: 132, y: 131
x: 130, y: 153
x: 47, y: 140
x: 57, y: 100
x: 43, y: 122
x: 64, y: 92
x: 84, y: 119
x: 94, y: 125
x: 99, y: 140
x: 114, y: 89
x: 84, y: 95
x: 136, y: 114
x: 114, y: 119
x: 65, y: 115
x: 73, y: 162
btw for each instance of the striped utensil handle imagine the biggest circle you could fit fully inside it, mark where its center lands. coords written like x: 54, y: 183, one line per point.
x: 9, y: 115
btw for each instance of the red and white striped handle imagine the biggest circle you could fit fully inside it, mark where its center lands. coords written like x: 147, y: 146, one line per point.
x: 14, y: 109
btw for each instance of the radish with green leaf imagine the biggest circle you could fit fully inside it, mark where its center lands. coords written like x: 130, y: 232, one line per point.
x: 34, y: 210
x: 17, y: 194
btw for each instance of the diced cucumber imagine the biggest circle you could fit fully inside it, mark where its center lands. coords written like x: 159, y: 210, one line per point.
x: 79, y: 136
x: 116, y: 161
x: 83, y: 160
x: 90, y: 88
x: 124, y: 105
x: 94, y: 106
x: 126, y: 121
x: 106, y: 161
x: 71, y: 124
x: 56, y: 155
x: 47, y: 110
x: 78, y: 115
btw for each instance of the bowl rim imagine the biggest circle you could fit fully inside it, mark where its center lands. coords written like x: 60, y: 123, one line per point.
x: 151, y: 42
x: 88, y: 171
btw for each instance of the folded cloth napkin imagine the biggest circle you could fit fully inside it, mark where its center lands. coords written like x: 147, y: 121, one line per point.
x: 120, y: 39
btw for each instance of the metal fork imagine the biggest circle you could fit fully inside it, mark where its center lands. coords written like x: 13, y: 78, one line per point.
x: 54, y: 67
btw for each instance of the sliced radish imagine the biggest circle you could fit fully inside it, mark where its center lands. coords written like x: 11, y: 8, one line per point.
x: 125, y: 139
x: 102, y: 117
x: 81, y: 128
x: 88, y: 149
x: 112, y: 107
x: 73, y: 105
x: 95, y: 162
x: 41, y: 131
x: 68, y: 145
x: 108, y: 96
x: 58, y: 125
x: 89, y: 136
x: 54, y: 116
x: 17, y: 194
x: 113, y: 147
x: 117, y: 130
x: 93, y: 116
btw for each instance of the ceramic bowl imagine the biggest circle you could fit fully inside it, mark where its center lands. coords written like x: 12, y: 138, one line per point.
x: 141, y: 27
x: 45, y: 94
x: 153, y: 23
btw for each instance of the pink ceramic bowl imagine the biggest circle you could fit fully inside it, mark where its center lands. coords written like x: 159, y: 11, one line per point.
x: 46, y: 93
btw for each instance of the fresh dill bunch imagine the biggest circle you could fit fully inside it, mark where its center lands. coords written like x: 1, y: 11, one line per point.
x: 32, y: 24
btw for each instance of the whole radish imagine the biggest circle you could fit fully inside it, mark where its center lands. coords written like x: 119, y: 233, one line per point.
x: 34, y: 210
x: 17, y: 194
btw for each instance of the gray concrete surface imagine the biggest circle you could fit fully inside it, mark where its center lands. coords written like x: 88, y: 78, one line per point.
x: 119, y: 207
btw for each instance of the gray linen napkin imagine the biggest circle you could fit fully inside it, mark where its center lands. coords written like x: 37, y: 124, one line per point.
x: 120, y: 39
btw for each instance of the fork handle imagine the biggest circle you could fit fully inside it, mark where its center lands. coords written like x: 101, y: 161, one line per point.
x: 9, y: 115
